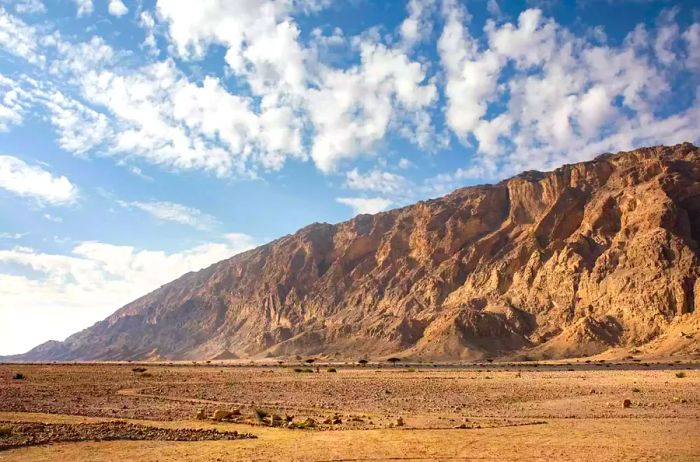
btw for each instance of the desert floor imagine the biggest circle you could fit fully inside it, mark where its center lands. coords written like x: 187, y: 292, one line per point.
x: 526, y: 411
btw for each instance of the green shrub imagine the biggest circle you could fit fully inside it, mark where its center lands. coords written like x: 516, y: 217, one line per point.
x: 306, y: 369
x: 680, y: 375
x: 331, y: 369
x: 138, y: 370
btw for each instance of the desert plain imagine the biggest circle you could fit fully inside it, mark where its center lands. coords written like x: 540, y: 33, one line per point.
x: 567, y: 410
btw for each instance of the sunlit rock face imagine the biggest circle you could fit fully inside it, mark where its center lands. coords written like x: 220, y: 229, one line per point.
x: 572, y: 262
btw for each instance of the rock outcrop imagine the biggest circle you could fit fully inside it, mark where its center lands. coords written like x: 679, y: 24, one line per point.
x: 572, y: 262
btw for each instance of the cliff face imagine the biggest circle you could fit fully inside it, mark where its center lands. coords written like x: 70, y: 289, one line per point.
x: 571, y: 262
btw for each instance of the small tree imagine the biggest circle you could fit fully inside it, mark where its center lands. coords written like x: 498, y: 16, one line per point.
x: 363, y: 362
x: 394, y: 361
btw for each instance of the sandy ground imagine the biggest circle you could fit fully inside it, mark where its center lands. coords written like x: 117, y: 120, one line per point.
x: 489, y: 411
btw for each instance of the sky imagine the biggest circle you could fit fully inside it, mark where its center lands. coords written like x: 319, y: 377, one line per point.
x: 140, y: 140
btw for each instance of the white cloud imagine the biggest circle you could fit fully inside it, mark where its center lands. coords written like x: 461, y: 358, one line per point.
x: 24, y: 180
x: 13, y: 236
x: 352, y: 109
x: 377, y: 180
x: 13, y: 103
x: 417, y: 26
x: 71, y: 120
x: 564, y: 94
x: 692, y: 40
x: 365, y: 205
x: 53, y: 218
x: 70, y: 292
x: 178, y: 213
x: 405, y: 163
x: 117, y: 8
x: 526, y: 94
x: 19, y: 39
x: 85, y: 7
x: 147, y: 22
x: 29, y: 7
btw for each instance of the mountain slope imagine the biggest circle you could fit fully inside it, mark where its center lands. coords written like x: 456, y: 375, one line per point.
x: 566, y: 263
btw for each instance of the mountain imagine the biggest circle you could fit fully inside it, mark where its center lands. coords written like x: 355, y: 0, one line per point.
x: 573, y: 262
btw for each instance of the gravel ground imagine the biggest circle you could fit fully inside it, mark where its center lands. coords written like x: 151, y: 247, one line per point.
x: 19, y: 434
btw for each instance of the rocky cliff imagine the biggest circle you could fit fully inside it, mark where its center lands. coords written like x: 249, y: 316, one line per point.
x: 572, y: 262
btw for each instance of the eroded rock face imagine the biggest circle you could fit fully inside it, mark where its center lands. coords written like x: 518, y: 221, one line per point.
x: 571, y: 262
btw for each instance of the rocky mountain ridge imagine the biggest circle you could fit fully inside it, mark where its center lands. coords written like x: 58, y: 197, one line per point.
x: 573, y: 262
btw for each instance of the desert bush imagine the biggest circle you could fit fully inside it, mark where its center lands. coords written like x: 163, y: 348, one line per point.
x: 363, y: 362
x: 305, y: 369
x: 394, y: 360
x: 5, y: 432
x: 331, y: 369
x: 138, y: 370
x: 146, y: 375
x: 636, y: 390
x: 680, y: 375
x: 261, y: 413
x: 19, y: 376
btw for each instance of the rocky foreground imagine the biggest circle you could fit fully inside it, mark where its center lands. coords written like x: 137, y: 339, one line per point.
x: 20, y: 434
x: 573, y: 262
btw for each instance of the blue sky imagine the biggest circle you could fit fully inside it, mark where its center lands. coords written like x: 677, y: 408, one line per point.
x: 143, y: 139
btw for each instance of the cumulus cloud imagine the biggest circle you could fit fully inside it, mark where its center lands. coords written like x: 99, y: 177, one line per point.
x: 117, y: 8
x: 13, y: 103
x: 24, y: 180
x: 377, y: 180
x: 417, y: 26
x: 523, y: 94
x: 365, y: 205
x: 353, y: 109
x: 29, y: 7
x: 84, y: 7
x: 565, y: 97
x: 89, y: 283
x: 19, y: 39
x: 177, y: 213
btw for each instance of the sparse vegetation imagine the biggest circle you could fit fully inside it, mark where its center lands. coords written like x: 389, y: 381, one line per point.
x: 331, y: 369
x: 5, y: 432
x: 304, y: 369
x: 636, y: 390
x: 139, y: 370
x: 363, y: 362
x: 309, y: 361
x: 19, y: 376
x: 680, y: 375
x: 394, y: 360
x: 261, y: 414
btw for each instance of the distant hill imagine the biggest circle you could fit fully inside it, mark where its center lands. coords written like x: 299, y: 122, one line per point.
x: 591, y: 256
